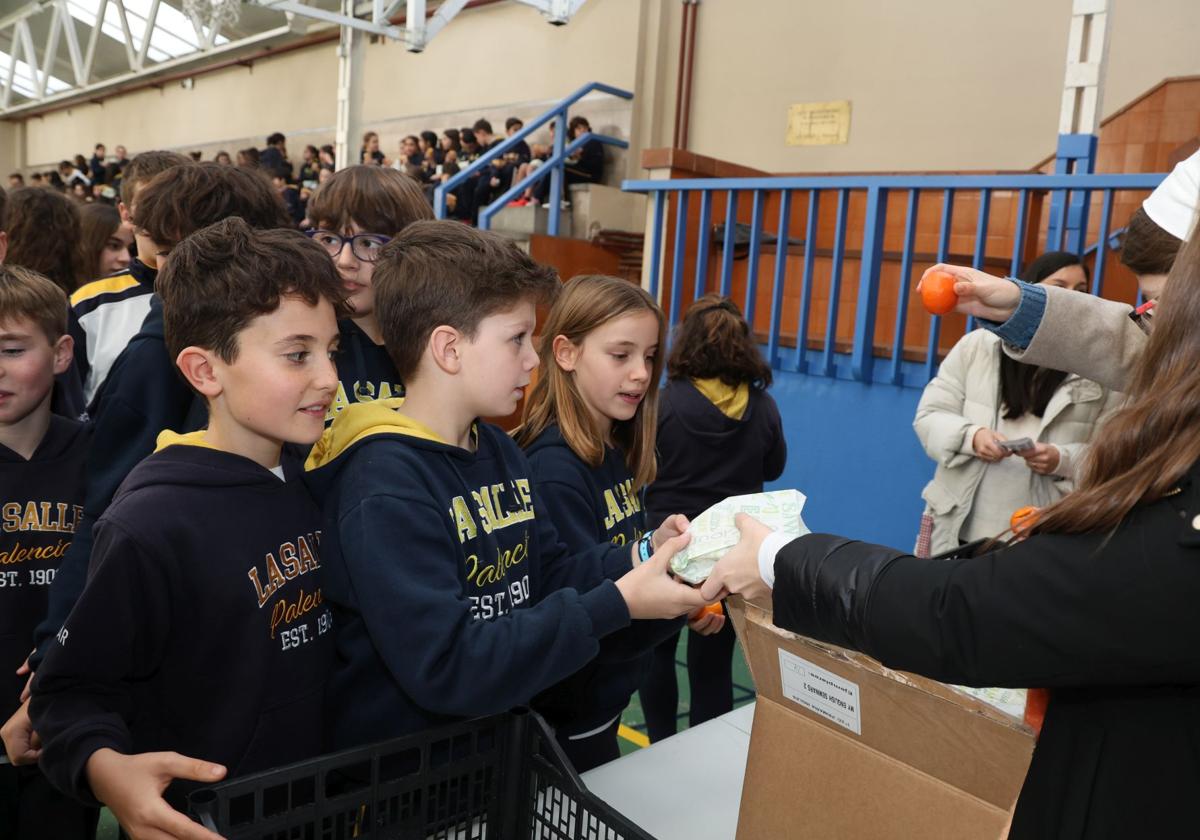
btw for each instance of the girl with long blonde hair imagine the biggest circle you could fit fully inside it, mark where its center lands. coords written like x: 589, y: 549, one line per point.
x: 588, y: 429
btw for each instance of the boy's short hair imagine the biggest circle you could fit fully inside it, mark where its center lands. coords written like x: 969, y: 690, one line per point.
x: 221, y: 278
x: 143, y: 167
x: 438, y: 273
x: 511, y: 122
x: 379, y: 199
x: 482, y: 125
x: 189, y: 197
x: 277, y: 137
x: 1146, y: 247
x: 576, y: 122
x: 26, y: 294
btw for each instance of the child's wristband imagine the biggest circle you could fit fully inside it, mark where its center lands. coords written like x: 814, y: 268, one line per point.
x: 645, y: 547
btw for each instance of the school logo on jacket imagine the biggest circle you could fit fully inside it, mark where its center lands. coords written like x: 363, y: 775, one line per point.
x: 36, y: 518
x: 622, y: 502
x: 495, y: 584
x: 294, y: 559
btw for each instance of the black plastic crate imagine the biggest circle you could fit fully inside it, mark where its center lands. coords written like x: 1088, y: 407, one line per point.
x: 496, y: 778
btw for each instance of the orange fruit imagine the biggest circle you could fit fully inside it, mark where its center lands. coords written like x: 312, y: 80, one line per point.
x: 1023, y: 519
x: 1036, y: 702
x: 937, y: 292
x: 710, y: 609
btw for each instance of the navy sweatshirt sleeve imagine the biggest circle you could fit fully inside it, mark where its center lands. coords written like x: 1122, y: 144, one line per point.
x: 142, y: 396
x: 421, y: 624
x: 563, y: 568
x: 559, y: 482
x: 114, y: 637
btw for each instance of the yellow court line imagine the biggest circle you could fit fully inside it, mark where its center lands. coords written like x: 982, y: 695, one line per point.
x: 633, y: 736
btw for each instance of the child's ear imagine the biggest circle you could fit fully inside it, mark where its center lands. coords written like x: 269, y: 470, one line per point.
x: 196, y: 365
x: 566, y: 352
x: 64, y: 351
x: 445, y: 344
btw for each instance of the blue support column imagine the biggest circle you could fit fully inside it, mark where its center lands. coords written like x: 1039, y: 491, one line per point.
x: 862, y: 358
x: 806, y: 281
x: 678, y: 255
x: 1068, y: 222
x: 557, y: 175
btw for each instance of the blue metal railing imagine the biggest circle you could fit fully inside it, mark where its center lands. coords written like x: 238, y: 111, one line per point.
x: 554, y: 166
x: 828, y: 360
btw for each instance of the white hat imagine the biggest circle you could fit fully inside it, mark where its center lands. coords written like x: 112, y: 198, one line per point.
x: 1172, y: 206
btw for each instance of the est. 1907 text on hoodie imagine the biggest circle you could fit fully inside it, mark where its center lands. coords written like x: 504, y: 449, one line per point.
x: 452, y: 594
x: 202, y: 628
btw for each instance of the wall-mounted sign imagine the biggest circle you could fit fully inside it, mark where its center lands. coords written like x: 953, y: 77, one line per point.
x: 819, y: 123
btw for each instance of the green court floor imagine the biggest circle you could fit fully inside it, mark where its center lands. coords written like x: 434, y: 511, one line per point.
x: 634, y: 724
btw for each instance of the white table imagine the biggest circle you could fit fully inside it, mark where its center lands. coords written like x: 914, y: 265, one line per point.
x: 688, y: 787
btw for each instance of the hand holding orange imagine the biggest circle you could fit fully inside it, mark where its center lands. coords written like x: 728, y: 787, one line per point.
x: 937, y: 292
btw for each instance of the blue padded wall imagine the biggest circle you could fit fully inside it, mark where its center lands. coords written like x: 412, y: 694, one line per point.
x: 852, y: 451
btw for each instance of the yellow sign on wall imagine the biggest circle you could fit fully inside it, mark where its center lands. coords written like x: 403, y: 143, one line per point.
x: 819, y: 123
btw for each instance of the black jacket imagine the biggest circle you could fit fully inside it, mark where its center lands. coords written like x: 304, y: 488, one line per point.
x: 1107, y: 622
x: 705, y: 456
x: 202, y: 628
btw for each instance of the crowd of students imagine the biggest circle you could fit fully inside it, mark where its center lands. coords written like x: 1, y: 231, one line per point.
x: 251, y: 513
x: 427, y: 158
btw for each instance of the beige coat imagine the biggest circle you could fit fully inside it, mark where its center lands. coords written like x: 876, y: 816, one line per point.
x: 1085, y: 335
x: 965, y: 397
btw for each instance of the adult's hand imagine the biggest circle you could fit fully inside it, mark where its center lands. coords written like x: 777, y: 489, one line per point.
x: 737, y: 572
x: 980, y: 294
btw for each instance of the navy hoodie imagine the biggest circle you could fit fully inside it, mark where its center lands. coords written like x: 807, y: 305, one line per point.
x: 705, y: 456
x: 452, y: 595
x: 142, y: 395
x: 365, y: 371
x: 41, y: 501
x: 591, y: 505
x: 202, y: 628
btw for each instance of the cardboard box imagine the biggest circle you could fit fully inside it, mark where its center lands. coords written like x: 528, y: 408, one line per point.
x: 843, y: 747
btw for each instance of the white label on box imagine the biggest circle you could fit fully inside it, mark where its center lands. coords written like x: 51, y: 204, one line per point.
x: 821, y: 692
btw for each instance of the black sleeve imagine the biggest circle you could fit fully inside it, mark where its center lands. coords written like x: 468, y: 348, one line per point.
x: 1054, y: 610
x: 115, y: 637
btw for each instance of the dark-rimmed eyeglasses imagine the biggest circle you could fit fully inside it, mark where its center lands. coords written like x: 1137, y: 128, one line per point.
x: 364, y: 246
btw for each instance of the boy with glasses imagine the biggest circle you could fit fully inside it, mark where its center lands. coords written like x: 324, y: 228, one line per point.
x: 355, y: 213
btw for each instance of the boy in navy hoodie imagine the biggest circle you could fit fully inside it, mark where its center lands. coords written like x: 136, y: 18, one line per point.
x: 201, y: 643
x: 143, y: 393
x: 452, y: 595
x: 41, y: 490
